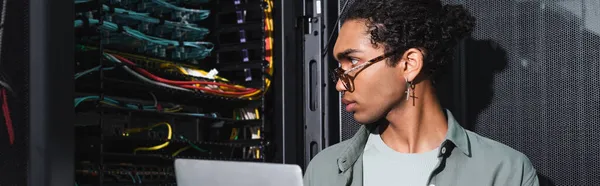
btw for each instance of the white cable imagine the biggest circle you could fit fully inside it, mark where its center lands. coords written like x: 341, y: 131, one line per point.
x: 141, y: 77
x: 5, y: 85
x: 2, y: 83
x: 2, y: 25
x: 155, y: 100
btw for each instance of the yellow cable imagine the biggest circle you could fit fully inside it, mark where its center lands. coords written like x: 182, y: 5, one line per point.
x: 157, y: 147
x: 111, y: 104
x: 177, y: 109
x: 269, y: 32
x: 257, y: 114
x: 162, y: 63
x: 233, y: 134
x: 180, y: 150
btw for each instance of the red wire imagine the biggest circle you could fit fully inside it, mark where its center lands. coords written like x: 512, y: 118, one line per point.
x: 8, y: 121
x: 176, y: 82
x: 188, y: 84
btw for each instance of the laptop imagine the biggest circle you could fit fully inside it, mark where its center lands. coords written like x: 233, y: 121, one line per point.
x: 193, y: 172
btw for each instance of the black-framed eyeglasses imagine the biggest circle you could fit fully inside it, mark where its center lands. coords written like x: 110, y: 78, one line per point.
x: 348, y: 80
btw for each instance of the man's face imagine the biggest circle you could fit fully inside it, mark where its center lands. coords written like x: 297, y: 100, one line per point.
x: 378, y: 87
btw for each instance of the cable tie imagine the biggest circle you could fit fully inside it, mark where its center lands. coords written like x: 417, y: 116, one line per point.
x: 85, y: 20
x: 122, y: 104
x: 120, y: 28
x: 98, y: 103
x: 159, y: 108
x: 242, y: 36
x: 267, y: 75
x: 240, y: 16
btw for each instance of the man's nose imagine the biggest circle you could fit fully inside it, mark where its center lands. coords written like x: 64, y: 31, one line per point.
x: 339, y: 86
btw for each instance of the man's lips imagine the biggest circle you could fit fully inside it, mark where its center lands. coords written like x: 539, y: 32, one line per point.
x: 349, y: 105
x: 347, y: 102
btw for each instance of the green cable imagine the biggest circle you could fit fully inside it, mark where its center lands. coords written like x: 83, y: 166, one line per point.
x: 191, y: 144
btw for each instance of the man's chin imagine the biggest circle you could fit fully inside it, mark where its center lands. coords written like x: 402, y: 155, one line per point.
x: 365, y: 119
x: 362, y: 119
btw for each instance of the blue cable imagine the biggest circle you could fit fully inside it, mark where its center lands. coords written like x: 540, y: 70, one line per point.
x: 138, y: 177
x: 135, y: 107
x: 145, y: 17
x: 109, y: 100
x: 132, y: 178
x: 204, y: 48
x: 82, y: 1
x: 203, y: 14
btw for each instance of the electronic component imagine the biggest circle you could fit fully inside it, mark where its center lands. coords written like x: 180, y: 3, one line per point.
x: 154, y: 83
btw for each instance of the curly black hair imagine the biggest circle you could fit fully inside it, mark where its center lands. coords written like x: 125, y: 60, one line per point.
x: 399, y: 25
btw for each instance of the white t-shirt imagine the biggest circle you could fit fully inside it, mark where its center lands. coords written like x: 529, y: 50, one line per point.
x: 383, y: 166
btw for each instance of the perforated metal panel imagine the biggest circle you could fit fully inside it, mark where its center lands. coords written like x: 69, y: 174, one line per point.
x: 546, y: 93
x: 532, y: 82
x: 348, y: 125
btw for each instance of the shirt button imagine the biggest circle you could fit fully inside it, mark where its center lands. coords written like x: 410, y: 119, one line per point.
x: 443, y: 152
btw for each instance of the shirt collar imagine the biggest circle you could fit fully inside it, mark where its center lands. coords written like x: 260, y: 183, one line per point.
x: 456, y: 135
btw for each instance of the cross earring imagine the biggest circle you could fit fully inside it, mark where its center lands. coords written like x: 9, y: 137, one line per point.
x: 408, y: 85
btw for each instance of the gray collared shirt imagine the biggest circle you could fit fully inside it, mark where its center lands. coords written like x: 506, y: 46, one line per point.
x: 465, y: 159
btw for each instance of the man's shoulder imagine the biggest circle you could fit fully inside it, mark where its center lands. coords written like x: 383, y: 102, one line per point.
x: 481, y: 144
x: 504, y: 160
x: 324, y: 165
x: 330, y: 154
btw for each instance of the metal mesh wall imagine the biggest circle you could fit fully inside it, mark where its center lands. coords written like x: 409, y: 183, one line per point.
x: 533, y: 82
x: 347, y: 126
x: 546, y: 98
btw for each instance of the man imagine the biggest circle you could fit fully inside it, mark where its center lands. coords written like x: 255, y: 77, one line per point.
x: 389, y: 51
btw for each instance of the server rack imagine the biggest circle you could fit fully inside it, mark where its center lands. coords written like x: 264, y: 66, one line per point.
x: 132, y: 115
x: 130, y: 128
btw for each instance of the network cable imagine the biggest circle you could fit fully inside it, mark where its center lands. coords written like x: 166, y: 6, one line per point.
x: 138, y: 177
x: 191, y: 145
x: 82, y: 1
x: 144, y: 79
x: 115, y: 103
x: 203, y: 49
x: 187, y: 70
x: 152, y: 148
x: 131, y: 175
x: 7, y: 118
x: 112, y: 102
x: 209, y: 87
x: 97, y: 68
x: 245, y: 92
x: 268, y: 11
x: 203, y: 14
x: 145, y: 17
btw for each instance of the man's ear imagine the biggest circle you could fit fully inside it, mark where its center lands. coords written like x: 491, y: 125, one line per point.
x: 411, y: 63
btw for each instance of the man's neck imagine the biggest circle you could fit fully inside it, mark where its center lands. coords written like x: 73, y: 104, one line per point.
x: 418, y: 127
